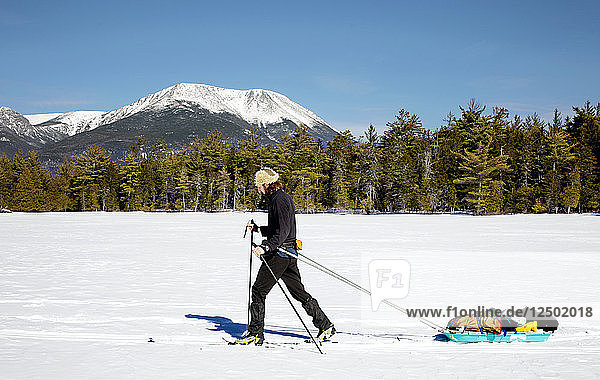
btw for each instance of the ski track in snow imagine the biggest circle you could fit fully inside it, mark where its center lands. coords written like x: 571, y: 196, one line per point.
x: 81, y: 294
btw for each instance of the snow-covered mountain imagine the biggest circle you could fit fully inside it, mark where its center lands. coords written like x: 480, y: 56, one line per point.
x: 39, y: 118
x: 179, y: 114
x: 69, y: 123
x: 16, y: 133
x: 43, y: 129
x: 256, y: 107
x: 11, y: 143
x: 176, y: 115
x: 13, y: 120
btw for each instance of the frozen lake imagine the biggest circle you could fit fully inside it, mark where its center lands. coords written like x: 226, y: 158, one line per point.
x: 81, y: 294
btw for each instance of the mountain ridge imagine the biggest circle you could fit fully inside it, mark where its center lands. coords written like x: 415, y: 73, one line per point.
x: 250, y: 105
x: 177, y: 115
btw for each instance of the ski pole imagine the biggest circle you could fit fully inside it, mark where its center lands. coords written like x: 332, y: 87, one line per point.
x: 251, y: 222
x: 307, y: 260
x: 291, y: 304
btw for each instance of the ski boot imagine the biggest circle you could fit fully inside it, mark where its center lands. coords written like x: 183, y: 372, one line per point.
x: 249, y: 338
x: 325, y: 334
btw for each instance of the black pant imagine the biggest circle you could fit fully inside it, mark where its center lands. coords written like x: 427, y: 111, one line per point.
x: 285, y: 268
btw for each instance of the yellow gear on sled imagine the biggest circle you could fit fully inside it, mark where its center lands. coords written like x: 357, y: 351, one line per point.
x: 529, y: 326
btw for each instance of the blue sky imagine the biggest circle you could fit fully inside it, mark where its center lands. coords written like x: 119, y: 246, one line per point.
x: 354, y: 63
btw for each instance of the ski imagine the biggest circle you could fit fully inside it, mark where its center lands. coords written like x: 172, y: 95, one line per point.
x: 229, y: 342
x: 265, y: 343
x: 321, y: 341
x: 234, y: 343
x: 290, y: 345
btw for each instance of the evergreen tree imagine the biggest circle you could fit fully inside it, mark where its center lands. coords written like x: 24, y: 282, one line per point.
x: 31, y: 187
x: 473, y: 128
x: 222, y: 184
x: 493, y: 201
x: 91, y: 182
x: 446, y: 164
x: 169, y: 171
x: 368, y: 166
x: 345, y: 179
x: 402, y: 145
x: 152, y: 172
x: 500, y: 165
x: 131, y: 181
x: 560, y: 161
x: 524, y: 147
x: 61, y: 187
x: 584, y: 128
x: 183, y: 185
x: 572, y: 191
x: 300, y: 160
x: 246, y: 161
x: 6, y: 181
x: 483, y: 192
x: 140, y: 173
x: 207, y: 158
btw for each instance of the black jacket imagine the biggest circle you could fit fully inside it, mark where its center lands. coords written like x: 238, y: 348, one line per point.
x: 281, y: 231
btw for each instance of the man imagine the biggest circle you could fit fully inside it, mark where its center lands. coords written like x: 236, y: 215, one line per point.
x: 279, y: 251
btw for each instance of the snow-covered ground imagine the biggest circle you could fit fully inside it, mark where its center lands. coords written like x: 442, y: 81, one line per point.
x: 81, y: 294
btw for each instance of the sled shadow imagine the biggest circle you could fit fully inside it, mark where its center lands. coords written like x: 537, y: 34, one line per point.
x: 236, y: 330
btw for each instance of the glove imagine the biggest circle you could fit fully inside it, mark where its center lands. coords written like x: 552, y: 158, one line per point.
x: 261, y: 249
x: 258, y: 250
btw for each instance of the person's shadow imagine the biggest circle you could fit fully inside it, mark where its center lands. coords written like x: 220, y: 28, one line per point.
x: 236, y: 330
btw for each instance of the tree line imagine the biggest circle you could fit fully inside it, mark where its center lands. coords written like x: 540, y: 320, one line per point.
x: 480, y: 162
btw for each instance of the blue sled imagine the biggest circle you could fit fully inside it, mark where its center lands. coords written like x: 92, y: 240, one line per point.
x: 493, y: 338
